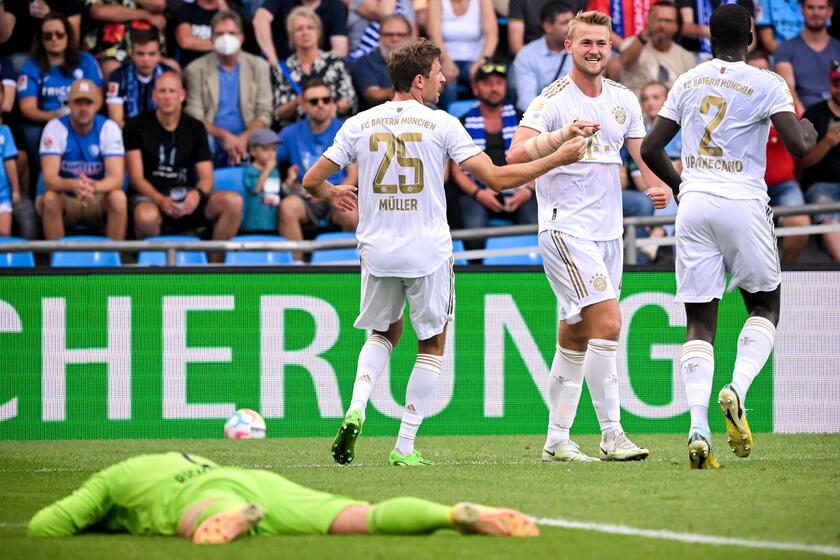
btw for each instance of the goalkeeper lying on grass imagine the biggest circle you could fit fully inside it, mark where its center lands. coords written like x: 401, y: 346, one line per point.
x: 193, y: 497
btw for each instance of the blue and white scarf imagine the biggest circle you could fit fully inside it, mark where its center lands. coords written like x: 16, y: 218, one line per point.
x: 131, y: 94
x: 474, y: 123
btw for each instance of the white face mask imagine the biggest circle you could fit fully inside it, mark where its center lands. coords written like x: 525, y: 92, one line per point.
x: 227, y: 45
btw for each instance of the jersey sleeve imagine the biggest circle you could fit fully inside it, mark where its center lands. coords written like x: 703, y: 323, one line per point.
x: 73, y: 514
x: 53, y: 139
x: 635, y: 123
x: 250, y: 177
x: 9, y: 148
x: 111, y: 140
x: 538, y: 115
x: 778, y: 98
x: 90, y: 69
x: 671, y: 108
x: 343, y: 151
x: 27, y: 83
x: 459, y: 144
x: 762, y: 14
x: 115, y: 92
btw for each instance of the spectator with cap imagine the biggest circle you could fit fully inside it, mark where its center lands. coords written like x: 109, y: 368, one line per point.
x: 652, y: 55
x: 261, y: 182
x: 82, y: 161
x: 170, y: 169
x: 804, y: 60
x: 370, y: 73
x: 229, y: 91
x: 821, y: 175
x: 301, y: 144
x: 544, y: 60
x: 130, y: 86
x: 491, y: 124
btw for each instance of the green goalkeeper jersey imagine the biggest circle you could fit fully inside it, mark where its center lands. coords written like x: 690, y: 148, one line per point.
x: 148, y: 495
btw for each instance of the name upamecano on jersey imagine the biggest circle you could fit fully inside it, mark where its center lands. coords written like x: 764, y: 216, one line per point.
x: 726, y: 165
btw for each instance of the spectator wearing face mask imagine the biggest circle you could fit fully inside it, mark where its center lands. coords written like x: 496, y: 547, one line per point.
x: 229, y: 91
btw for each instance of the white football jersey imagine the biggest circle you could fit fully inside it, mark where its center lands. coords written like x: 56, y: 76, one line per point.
x: 402, y: 148
x: 724, y: 110
x: 584, y: 199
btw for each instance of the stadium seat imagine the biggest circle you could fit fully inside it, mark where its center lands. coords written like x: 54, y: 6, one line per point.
x: 8, y: 260
x: 459, y: 108
x: 457, y: 247
x: 229, y: 179
x: 496, y: 222
x: 333, y: 255
x: 182, y: 258
x: 510, y: 243
x: 258, y: 257
x: 85, y: 258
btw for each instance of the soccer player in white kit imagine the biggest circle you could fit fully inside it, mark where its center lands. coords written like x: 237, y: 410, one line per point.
x: 580, y: 235
x: 724, y: 224
x: 402, y: 147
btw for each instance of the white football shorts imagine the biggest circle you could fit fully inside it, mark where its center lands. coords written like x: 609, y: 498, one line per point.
x: 581, y: 272
x: 716, y: 235
x: 431, y: 297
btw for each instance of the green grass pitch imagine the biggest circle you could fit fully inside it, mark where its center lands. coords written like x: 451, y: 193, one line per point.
x: 788, y: 491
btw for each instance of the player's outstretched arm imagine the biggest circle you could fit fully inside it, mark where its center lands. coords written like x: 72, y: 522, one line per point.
x: 516, y: 175
x: 74, y: 513
x: 653, y: 152
x: 315, y: 182
x: 798, y: 136
x: 529, y: 144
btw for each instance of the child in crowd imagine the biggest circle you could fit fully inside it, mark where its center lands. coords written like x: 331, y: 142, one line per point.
x: 9, y: 188
x: 261, y: 181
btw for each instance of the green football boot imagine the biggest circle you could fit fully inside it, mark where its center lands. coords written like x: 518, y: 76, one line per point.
x: 345, y: 441
x: 413, y: 459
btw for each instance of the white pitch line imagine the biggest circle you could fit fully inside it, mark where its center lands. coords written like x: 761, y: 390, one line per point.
x: 687, y: 537
x: 6, y: 525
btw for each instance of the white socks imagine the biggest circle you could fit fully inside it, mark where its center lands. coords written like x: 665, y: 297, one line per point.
x: 564, y: 385
x: 601, y: 374
x: 697, y: 364
x: 754, y: 346
x: 418, y: 395
x: 372, y: 360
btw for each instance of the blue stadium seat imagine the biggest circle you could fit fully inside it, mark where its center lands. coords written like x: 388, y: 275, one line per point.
x: 229, y: 179
x: 459, y: 108
x: 496, y: 222
x: 333, y: 255
x: 182, y: 258
x: 258, y: 257
x: 8, y: 260
x: 85, y: 258
x: 510, y: 243
x: 457, y: 247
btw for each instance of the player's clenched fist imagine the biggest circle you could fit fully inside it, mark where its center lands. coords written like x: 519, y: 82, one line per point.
x: 659, y: 196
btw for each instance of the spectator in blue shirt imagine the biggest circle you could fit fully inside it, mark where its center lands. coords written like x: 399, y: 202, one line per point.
x: 229, y: 90
x: 777, y: 21
x: 82, y: 157
x: 9, y: 189
x: 130, y: 86
x: 804, y: 60
x: 543, y: 60
x: 53, y: 65
x: 370, y: 73
x: 302, y: 143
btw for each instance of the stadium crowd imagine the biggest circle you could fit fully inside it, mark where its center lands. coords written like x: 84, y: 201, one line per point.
x: 118, y: 114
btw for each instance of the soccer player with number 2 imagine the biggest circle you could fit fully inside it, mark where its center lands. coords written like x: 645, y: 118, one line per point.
x: 724, y: 224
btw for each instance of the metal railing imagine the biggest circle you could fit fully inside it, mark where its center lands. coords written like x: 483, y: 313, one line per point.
x: 630, y: 239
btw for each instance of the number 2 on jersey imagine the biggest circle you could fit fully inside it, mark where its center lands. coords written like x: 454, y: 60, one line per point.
x: 396, y: 145
x: 706, y: 105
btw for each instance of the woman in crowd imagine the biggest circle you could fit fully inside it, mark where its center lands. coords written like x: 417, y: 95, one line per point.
x: 307, y: 62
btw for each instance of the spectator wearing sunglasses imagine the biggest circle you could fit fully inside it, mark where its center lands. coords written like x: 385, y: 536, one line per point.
x: 54, y: 63
x: 301, y: 144
x: 370, y: 73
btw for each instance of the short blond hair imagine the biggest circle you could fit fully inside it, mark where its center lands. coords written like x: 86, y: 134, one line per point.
x: 592, y: 17
x: 308, y: 13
